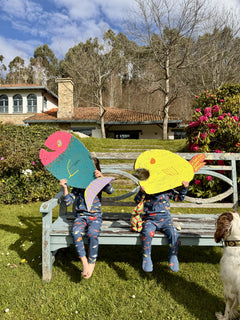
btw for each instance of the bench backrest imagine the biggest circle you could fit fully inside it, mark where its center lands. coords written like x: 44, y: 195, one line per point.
x: 227, y: 172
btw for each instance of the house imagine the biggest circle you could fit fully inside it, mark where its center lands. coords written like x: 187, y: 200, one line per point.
x: 19, y: 101
x: 119, y: 123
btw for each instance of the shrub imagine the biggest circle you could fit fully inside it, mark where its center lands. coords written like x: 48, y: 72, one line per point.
x: 23, y: 178
x: 215, y: 128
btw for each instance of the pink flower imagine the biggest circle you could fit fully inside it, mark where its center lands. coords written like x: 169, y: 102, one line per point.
x: 203, y: 135
x: 194, y: 147
x: 237, y: 145
x: 33, y: 163
x: 221, y: 100
x: 218, y: 151
x: 196, y: 96
x: 220, y: 117
x: 220, y: 162
x: 236, y: 118
x: 208, y: 110
x: 212, y: 130
x: 198, y: 182
x: 209, y: 178
x: 193, y: 124
x: 198, y: 110
x: 203, y: 119
x: 2, y: 158
x: 215, y: 108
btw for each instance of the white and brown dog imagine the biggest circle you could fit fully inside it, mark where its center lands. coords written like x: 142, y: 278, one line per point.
x: 228, y: 231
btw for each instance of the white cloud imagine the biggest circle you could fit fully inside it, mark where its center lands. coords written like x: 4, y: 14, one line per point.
x: 12, y: 48
x: 61, y: 28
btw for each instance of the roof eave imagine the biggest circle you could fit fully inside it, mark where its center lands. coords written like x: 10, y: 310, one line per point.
x: 30, y: 88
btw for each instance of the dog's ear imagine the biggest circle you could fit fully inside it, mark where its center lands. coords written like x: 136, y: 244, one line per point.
x: 223, y: 226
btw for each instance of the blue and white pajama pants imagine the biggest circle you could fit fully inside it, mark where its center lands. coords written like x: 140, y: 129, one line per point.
x: 91, y: 226
x: 158, y: 222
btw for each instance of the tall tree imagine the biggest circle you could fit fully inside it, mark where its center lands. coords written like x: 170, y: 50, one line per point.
x: 3, y: 69
x: 91, y: 65
x: 18, y: 72
x: 44, y: 65
x: 166, y: 29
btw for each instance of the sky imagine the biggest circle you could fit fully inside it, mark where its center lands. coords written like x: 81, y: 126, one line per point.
x: 27, y: 24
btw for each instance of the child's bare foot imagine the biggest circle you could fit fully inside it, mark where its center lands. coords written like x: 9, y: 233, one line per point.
x: 85, y: 266
x: 91, y: 267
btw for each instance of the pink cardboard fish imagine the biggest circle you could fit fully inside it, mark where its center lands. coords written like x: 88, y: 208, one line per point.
x: 68, y: 159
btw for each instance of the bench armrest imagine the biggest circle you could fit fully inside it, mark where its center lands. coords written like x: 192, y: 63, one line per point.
x: 52, y: 203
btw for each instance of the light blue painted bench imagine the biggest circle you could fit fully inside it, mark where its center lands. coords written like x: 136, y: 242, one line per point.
x: 194, y: 229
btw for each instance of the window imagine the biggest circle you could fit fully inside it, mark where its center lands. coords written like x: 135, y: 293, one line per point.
x: 3, y: 103
x: 32, y: 103
x: 86, y: 131
x: 126, y: 135
x: 44, y: 103
x: 179, y: 134
x: 17, y: 103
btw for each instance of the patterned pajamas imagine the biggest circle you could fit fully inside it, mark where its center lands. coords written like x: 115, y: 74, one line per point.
x: 158, y: 222
x: 88, y: 222
x: 92, y: 226
x: 157, y: 217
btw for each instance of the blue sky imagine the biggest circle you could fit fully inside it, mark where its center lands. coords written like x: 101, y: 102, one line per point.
x: 26, y: 24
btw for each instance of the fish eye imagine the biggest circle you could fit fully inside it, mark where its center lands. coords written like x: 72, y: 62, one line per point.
x: 153, y: 160
x: 59, y: 143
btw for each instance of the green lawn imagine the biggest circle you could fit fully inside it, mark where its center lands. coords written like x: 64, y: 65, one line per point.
x: 118, y: 289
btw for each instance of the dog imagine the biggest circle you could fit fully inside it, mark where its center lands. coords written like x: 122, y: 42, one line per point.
x: 228, y: 231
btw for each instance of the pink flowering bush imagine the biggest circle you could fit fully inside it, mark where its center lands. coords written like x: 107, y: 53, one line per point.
x: 215, y: 127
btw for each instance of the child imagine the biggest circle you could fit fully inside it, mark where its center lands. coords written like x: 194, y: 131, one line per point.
x: 157, y: 217
x: 89, y: 221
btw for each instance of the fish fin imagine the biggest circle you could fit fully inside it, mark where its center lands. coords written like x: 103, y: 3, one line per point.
x: 197, y: 162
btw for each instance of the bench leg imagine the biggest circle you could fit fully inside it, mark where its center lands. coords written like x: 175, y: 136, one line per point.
x: 47, y: 259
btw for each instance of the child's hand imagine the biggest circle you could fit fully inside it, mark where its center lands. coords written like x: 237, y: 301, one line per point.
x: 98, y: 174
x: 185, y: 184
x: 63, y: 183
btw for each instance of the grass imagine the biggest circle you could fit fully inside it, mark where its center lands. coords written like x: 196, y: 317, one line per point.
x: 195, y: 292
x: 118, y: 289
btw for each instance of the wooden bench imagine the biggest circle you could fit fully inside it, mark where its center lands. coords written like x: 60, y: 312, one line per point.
x: 196, y: 229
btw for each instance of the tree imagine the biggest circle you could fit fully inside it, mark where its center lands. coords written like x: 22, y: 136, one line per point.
x: 44, y: 66
x: 166, y: 28
x: 217, y: 55
x: 2, y: 69
x: 18, y: 72
x: 91, y: 65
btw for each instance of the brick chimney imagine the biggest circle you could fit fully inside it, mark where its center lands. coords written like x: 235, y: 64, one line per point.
x: 65, y: 98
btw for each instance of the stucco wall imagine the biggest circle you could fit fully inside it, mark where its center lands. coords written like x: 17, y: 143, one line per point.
x: 17, y: 118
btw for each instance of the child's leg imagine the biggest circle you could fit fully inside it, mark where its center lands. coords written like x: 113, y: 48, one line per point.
x: 172, y: 235
x: 148, y: 232
x: 93, y: 231
x: 79, y: 226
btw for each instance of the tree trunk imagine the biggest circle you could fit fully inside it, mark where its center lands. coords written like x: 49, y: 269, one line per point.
x: 102, y: 111
x: 166, y: 102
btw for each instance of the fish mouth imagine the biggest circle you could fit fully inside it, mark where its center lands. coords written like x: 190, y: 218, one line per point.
x: 141, y: 174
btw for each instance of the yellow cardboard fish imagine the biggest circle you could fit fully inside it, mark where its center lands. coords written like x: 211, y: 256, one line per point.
x: 166, y: 169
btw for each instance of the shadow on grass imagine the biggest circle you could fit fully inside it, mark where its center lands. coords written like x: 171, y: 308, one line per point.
x: 29, y: 231
x: 198, y: 300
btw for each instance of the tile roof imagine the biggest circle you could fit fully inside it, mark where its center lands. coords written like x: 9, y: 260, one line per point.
x: 19, y: 85
x: 112, y: 115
